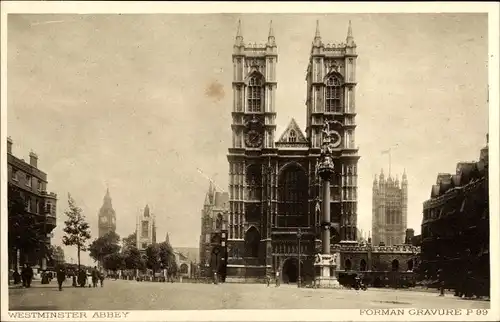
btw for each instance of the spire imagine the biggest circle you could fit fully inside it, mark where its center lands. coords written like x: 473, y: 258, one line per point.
x: 167, y: 239
x: 404, y: 178
x: 146, y: 211
x: 375, y: 180
x: 317, y: 36
x: 271, y: 41
x: 239, y: 37
x: 350, y: 38
x: 107, y: 200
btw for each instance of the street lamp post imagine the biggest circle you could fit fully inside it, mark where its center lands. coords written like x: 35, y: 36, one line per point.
x: 299, y: 236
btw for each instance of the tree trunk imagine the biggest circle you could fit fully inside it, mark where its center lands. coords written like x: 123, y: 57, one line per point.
x: 78, y: 255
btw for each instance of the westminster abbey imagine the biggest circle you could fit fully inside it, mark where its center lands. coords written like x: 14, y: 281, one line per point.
x: 274, y: 190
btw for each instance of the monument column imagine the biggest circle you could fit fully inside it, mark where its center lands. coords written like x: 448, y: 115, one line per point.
x: 326, y: 261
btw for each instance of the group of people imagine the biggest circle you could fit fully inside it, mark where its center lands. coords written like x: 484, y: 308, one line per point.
x: 25, y: 277
x: 81, y: 279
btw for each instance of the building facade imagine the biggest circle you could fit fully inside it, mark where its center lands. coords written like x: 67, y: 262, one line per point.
x: 213, y: 221
x: 30, y: 184
x: 455, y: 227
x: 389, y: 210
x: 146, y: 229
x: 274, y: 189
x: 107, y: 216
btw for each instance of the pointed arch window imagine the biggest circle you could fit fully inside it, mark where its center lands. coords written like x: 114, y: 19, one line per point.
x: 333, y: 101
x: 292, y: 136
x: 254, y: 93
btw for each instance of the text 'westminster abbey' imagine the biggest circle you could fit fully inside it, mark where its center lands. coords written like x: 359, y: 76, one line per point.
x: 274, y: 189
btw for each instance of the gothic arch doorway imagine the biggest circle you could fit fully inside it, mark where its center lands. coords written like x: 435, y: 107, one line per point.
x: 252, y: 241
x: 290, y: 270
x: 348, y: 264
x: 410, y: 265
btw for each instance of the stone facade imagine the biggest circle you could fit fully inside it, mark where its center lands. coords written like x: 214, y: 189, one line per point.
x: 390, y: 210
x: 455, y: 227
x: 146, y: 229
x: 213, y: 220
x: 274, y: 188
x: 31, y: 183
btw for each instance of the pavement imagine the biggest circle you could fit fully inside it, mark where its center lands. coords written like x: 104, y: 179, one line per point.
x: 132, y: 295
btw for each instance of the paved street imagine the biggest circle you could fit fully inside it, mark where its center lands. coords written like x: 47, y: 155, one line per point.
x: 132, y: 295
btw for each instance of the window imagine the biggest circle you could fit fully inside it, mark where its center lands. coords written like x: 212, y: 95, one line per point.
x: 333, y: 95
x: 37, y: 209
x: 48, y: 208
x: 144, y: 245
x: 292, y: 136
x: 145, y: 229
x: 14, y: 175
x: 254, y: 94
x: 28, y: 180
x: 28, y: 203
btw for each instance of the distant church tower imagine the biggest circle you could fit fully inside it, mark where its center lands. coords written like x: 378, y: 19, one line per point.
x: 107, y: 216
x: 146, y: 229
x: 389, y: 210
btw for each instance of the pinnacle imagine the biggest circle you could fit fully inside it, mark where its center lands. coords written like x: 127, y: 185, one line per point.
x: 317, y: 35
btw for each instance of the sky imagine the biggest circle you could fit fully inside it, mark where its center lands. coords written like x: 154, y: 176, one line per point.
x: 139, y: 103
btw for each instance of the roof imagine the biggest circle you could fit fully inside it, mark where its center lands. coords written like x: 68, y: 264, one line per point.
x: 292, y: 136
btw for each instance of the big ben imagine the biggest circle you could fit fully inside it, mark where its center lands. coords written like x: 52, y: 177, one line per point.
x: 107, y: 216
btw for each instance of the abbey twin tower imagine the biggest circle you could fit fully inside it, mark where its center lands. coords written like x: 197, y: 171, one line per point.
x: 274, y: 189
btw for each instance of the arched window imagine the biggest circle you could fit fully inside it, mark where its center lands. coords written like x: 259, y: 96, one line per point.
x: 254, y: 94
x: 252, y: 240
x: 410, y: 265
x: 292, y: 136
x: 333, y: 101
x: 218, y: 222
x: 395, y: 265
x: 254, y: 182
x: 348, y: 264
x: 362, y: 265
x: 183, y: 269
x: 292, y: 197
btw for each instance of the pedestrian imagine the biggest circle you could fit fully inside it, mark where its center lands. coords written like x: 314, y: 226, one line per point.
x: 17, y: 277
x: 277, y: 279
x: 82, y: 278
x: 101, y: 278
x: 95, y: 276
x: 268, y: 280
x: 28, y: 275
x: 61, y: 277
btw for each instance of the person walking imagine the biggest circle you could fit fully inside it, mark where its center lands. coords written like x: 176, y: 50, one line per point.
x: 28, y: 275
x: 101, y: 278
x: 17, y: 277
x: 278, y: 278
x: 95, y: 276
x: 61, y: 277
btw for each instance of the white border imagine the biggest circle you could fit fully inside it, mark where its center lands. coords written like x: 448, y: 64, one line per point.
x: 276, y: 7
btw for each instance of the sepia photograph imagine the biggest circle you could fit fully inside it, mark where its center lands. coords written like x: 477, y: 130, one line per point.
x: 248, y: 161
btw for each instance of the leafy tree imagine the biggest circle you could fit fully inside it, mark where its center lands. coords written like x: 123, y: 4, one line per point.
x: 130, y: 241
x: 166, y: 253
x: 114, y: 261
x: 153, y: 260
x: 77, y: 229
x: 24, y: 231
x: 104, y: 246
x: 133, y: 259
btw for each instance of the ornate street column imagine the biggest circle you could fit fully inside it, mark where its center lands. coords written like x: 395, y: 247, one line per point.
x: 325, y: 260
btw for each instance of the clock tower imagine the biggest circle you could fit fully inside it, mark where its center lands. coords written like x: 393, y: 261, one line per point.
x: 107, y: 216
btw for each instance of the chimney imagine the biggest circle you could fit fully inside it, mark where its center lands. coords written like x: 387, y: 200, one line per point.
x: 33, y: 159
x: 9, y: 145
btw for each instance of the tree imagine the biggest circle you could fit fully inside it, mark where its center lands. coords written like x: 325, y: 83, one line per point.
x: 130, y: 241
x: 133, y: 259
x: 77, y: 229
x: 153, y: 260
x: 105, y: 245
x: 114, y: 261
x: 24, y: 231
